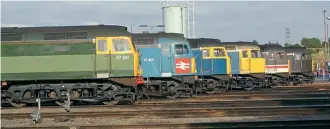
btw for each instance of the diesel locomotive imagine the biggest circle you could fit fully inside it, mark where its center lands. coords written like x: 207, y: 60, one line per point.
x: 212, y: 65
x: 96, y: 63
x: 107, y: 64
x: 167, y: 64
x: 277, y: 64
x: 301, y: 65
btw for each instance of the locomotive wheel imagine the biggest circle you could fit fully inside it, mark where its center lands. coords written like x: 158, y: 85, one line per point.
x: 173, y: 96
x: 274, y: 84
x: 197, y: 88
x: 18, y: 105
x: 311, y: 81
x: 26, y: 95
x: 62, y: 103
x: 210, y: 88
x: 174, y: 92
x: 212, y: 91
x: 289, y: 83
x: 248, y: 86
x: 113, y: 102
x: 222, y: 89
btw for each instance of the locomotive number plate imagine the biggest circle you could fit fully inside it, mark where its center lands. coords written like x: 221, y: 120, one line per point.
x: 166, y: 74
x: 102, y: 75
x: 122, y: 57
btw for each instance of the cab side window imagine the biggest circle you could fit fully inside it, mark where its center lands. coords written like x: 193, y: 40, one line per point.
x: 256, y: 54
x: 165, y: 50
x: 297, y: 57
x: 245, y: 54
x: 102, y: 45
x: 306, y: 56
x: 280, y: 55
x: 219, y: 52
x: 181, y: 49
x: 206, y: 53
x: 121, y: 45
x: 271, y: 56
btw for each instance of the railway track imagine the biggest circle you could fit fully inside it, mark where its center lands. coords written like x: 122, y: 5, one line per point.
x: 226, y: 96
x: 235, y: 109
x: 192, y: 113
x: 272, y: 103
x: 271, y: 98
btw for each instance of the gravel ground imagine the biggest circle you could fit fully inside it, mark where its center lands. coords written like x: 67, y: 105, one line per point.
x: 115, y: 121
x: 103, y: 108
x: 148, y: 120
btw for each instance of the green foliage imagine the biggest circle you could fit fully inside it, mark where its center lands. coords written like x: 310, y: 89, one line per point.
x: 289, y: 45
x: 311, y: 50
x: 274, y: 43
x: 317, y: 50
x: 255, y: 42
x: 296, y: 45
x: 311, y: 42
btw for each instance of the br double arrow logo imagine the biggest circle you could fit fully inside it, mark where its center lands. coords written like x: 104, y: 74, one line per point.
x: 182, y: 65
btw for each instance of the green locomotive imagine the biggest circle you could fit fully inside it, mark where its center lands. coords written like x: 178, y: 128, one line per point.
x: 97, y: 63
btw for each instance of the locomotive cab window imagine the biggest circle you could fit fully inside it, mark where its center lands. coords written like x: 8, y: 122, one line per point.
x: 297, y: 57
x: 280, y: 55
x: 165, y: 49
x: 120, y: 45
x: 271, y: 56
x: 181, y: 49
x: 206, y: 53
x: 244, y: 54
x: 102, y: 45
x: 256, y: 54
x: 219, y: 52
x: 306, y: 56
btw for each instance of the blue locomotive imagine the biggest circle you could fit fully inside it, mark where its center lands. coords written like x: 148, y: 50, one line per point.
x: 167, y: 63
x: 212, y: 65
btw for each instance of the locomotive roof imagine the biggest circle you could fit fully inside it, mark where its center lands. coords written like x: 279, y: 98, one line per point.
x: 271, y: 47
x: 296, y: 49
x: 241, y: 45
x: 89, y: 31
x: 151, y: 39
x: 238, y: 43
x: 157, y: 35
x: 204, y: 42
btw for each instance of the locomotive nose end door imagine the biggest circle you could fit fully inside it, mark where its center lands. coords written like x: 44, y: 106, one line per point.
x: 245, y: 62
x: 102, y: 57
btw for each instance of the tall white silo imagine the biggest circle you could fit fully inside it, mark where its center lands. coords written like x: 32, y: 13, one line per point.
x: 184, y: 22
x: 175, y: 19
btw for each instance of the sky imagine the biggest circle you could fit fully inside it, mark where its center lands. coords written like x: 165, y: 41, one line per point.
x: 228, y: 21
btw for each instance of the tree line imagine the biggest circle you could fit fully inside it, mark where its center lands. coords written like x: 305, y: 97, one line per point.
x: 314, y: 44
